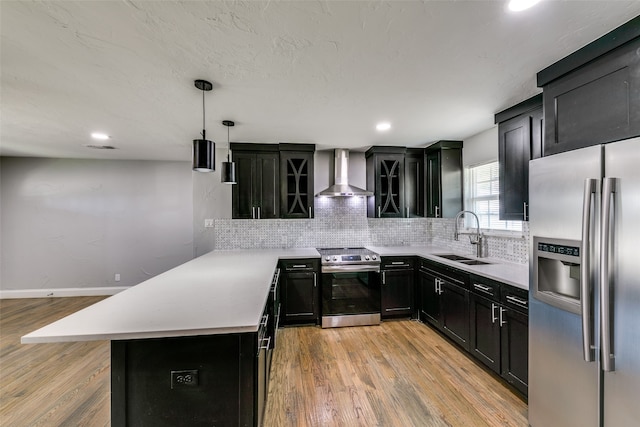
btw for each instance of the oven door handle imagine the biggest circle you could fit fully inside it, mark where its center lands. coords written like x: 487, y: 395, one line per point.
x: 350, y: 268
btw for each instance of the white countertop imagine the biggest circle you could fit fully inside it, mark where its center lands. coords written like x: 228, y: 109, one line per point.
x: 510, y: 273
x: 217, y: 293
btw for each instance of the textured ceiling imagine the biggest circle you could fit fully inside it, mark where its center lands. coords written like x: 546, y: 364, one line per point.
x: 322, y: 72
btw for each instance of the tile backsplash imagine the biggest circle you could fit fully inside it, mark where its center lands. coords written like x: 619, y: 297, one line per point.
x: 343, y: 222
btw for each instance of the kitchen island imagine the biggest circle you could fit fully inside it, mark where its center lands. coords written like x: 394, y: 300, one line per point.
x: 188, y: 346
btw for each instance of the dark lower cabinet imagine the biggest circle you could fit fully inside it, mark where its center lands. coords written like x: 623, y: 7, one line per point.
x: 300, y: 291
x: 397, y: 287
x: 485, y: 332
x: 514, y: 319
x: 487, y: 318
x: 500, y: 330
x: 445, y: 301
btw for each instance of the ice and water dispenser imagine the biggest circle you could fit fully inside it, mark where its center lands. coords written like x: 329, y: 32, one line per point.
x: 556, y: 272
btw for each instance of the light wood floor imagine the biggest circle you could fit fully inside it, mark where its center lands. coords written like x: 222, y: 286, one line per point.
x: 397, y: 374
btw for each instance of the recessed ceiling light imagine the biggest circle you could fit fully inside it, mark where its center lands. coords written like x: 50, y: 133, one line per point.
x: 99, y: 135
x: 382, y: 126
x: 100, y: 147
x: 518, y: 5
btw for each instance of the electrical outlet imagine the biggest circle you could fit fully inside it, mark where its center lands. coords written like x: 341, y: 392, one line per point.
x: 186, y: 378
x: 117, y: 277
x: 208, y: 223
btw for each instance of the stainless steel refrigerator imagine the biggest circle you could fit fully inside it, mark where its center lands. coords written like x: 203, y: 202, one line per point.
x: 584, y: 316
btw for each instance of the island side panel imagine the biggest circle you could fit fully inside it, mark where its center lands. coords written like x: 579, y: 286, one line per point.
x: 209, y: 384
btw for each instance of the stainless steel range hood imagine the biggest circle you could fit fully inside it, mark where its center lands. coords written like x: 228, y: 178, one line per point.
x: 341, y: 187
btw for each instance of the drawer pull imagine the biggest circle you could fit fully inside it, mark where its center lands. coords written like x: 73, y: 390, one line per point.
x: 520, y: 302
x: 483, y: 288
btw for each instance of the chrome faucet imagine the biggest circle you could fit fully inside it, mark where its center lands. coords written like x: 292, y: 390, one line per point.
x: 479, y: 237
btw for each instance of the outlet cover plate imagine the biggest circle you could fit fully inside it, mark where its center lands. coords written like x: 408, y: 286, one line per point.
x: 184, y: 379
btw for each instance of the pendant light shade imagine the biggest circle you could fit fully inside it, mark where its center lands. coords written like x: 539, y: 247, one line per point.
x: 204, y: 150
x: 228, y: 175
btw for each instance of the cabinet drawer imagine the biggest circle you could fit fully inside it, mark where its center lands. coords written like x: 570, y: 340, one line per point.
x: 299, y: 264
x: 485, y: 287
x: 515, y: 298
x: 405, y: 263
x: 453, y: 275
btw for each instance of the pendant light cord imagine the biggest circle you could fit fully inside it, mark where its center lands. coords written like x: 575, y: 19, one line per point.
x: 228, y: 144
x: 203, y: 116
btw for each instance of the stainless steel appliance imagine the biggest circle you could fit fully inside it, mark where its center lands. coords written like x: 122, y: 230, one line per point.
x: 350, y: 287
x: 584, y: 316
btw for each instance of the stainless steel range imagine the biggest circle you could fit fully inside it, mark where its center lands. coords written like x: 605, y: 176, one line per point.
x: 350, y: 287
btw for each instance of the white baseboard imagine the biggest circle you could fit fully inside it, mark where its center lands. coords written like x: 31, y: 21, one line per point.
x: 61, y: 292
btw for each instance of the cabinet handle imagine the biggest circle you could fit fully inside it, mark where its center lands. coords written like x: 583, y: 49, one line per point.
x: 493, y: 313
x: 384, y: 277
x: 315, y: 280
x: 310, y: 212
x: 437, y: 212
x: 265, y: 320
x: 299, y: 266
x: 502, y: 321
x: 379, y: 211
x: 253, y: 212
x: 517, y: 301
x: 524, y: 214
x: 259, y: 216
x: 265, y: 347
x: 407, y: 210
x: 483, y: 288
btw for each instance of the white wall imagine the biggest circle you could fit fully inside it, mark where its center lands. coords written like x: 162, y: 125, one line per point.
x: 69, y: 223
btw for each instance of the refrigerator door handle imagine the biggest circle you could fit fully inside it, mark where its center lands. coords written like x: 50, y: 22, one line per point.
x: 607, y: 222
x: 586, y: 295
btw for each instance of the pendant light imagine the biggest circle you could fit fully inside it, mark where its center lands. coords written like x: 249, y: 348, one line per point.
x: 228, y: 175
x: 204, y: 151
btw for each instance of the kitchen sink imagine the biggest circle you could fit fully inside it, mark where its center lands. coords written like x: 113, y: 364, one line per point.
x: 474, y: 262
x: 453, y: 257
x: 462, y: 259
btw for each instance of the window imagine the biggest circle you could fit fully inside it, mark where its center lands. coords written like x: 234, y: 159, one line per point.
x: 482, y: 190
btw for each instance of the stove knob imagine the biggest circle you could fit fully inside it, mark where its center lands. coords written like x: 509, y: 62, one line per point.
x: 366, y: 257
x: 335, y: 258
x: 374, y: 257
x: 327, y: 258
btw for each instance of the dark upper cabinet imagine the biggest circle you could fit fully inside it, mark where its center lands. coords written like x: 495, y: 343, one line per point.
x: 414, y: 183
x: 273, y: 181
x: 519, y: 140
x: 593, y: 95
x: 385, y: 178
x: 257, y: 192
x: 299, y: 284
x: 397, y: 287
x: 296, y: 180
x: 443, y: 169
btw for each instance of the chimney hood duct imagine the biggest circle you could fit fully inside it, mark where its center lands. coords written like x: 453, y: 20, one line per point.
x: 341, y: 187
